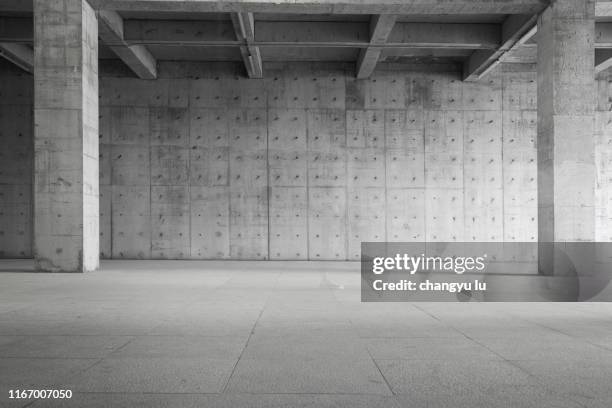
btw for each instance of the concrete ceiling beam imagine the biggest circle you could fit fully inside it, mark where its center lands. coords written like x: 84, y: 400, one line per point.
x: 136, y: 57
x: 314, y: 34
x: 330, y: 6
x: 603, y: 60
x: 516, y: 30
x: 19, y: 54
x: 244, y: 28
x: 381, y: 27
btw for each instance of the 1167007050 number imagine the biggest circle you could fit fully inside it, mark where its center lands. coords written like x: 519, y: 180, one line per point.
x: 40, y: 394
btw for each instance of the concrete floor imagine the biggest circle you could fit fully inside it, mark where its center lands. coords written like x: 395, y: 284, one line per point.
x: 221, y: 334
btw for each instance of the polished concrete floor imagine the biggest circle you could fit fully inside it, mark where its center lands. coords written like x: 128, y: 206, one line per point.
x: 241, y: 334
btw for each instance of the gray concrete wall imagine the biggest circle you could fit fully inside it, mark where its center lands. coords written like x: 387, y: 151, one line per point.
x: 306, y: 164
x: 16, y: 161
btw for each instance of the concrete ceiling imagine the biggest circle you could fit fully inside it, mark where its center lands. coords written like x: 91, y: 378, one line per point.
x: 477, y: 33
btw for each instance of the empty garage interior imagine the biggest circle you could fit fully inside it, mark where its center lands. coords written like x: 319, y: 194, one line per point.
x: 153, y: 143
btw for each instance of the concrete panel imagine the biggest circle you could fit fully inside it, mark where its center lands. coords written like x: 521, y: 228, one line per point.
x: 443, y: 92
x: 444, y: 215
x: 169, y: 165
x: 170, y: 225
x: 327, y: 168
x: 169, y: 126
x: 366, y: 218
x: 484, y: 95
x: 130, y: 165
x: 131, y: 222
x: 364, y: 129
x: 15, y: 220
x: 106, y: 198
x: 288, y: 223
x: 248, y: 168
x: 209, y: 167
x: 520, y: 176
x: 248, y: 129
x: 249, y: 223
x: 127, y: 125
x: 404, y: 130
x: 384, y: 91
x: 306, y: 89
x: 520, y: 91
x: 209, y: 228
x: 326, y: 128
x: 405, y: 213
x: 365, y: 167
x: 288, y: 168
x: 327, y: 223
x: 209, y: 127
x: 287, y: 129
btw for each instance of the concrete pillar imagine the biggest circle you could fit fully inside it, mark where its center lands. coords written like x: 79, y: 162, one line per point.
x: 66, y: 216
x: 566, y: 105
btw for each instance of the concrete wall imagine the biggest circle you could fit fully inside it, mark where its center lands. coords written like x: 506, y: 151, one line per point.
x: 16, y: 161
x: 307, y: 163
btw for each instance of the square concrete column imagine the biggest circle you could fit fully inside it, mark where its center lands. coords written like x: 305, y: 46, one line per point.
x: 566, y: 105
x: 66, y: 215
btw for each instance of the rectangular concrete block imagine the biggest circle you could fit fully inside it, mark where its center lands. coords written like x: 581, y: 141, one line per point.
x: 249, y: 223
x: 209, y: 127
x: 444, y: 91
x: 366, y: 218
x: 484, y: 220
x: 248, y: 129
x: 106, y: 198
x: 248, y: 168
x: 483, y: 95
x: 444, y: 215
x: 127, y: 125
x: 287, y: 129
x: 327, y: 168
x: 365, y: 129
x: 210, y: 230
x: 169, y: 165
x: 519, y: 91
x: 327, y: 223
x: 326, y: 128
x: 170, y: 222
x: 105, y: 153
x: 405, y: 214
x: 405, y: 169
x: 520, y: 176
x: 288, y: 168
x: 404, y: 129
x: 365, y: 167
x: 15, y: 220
x: 306, y: 89
x: 131, y: 222
x: 288, y: 223
x: 169, y: 126
x: 130, y: 165
x: 209, y: 166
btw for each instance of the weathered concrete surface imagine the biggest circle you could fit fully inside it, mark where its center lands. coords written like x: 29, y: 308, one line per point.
x: 309, y: 162
x: 66, y: 136
x: 566, y: 108
x: 288, y: 334
x: 16, y: 164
